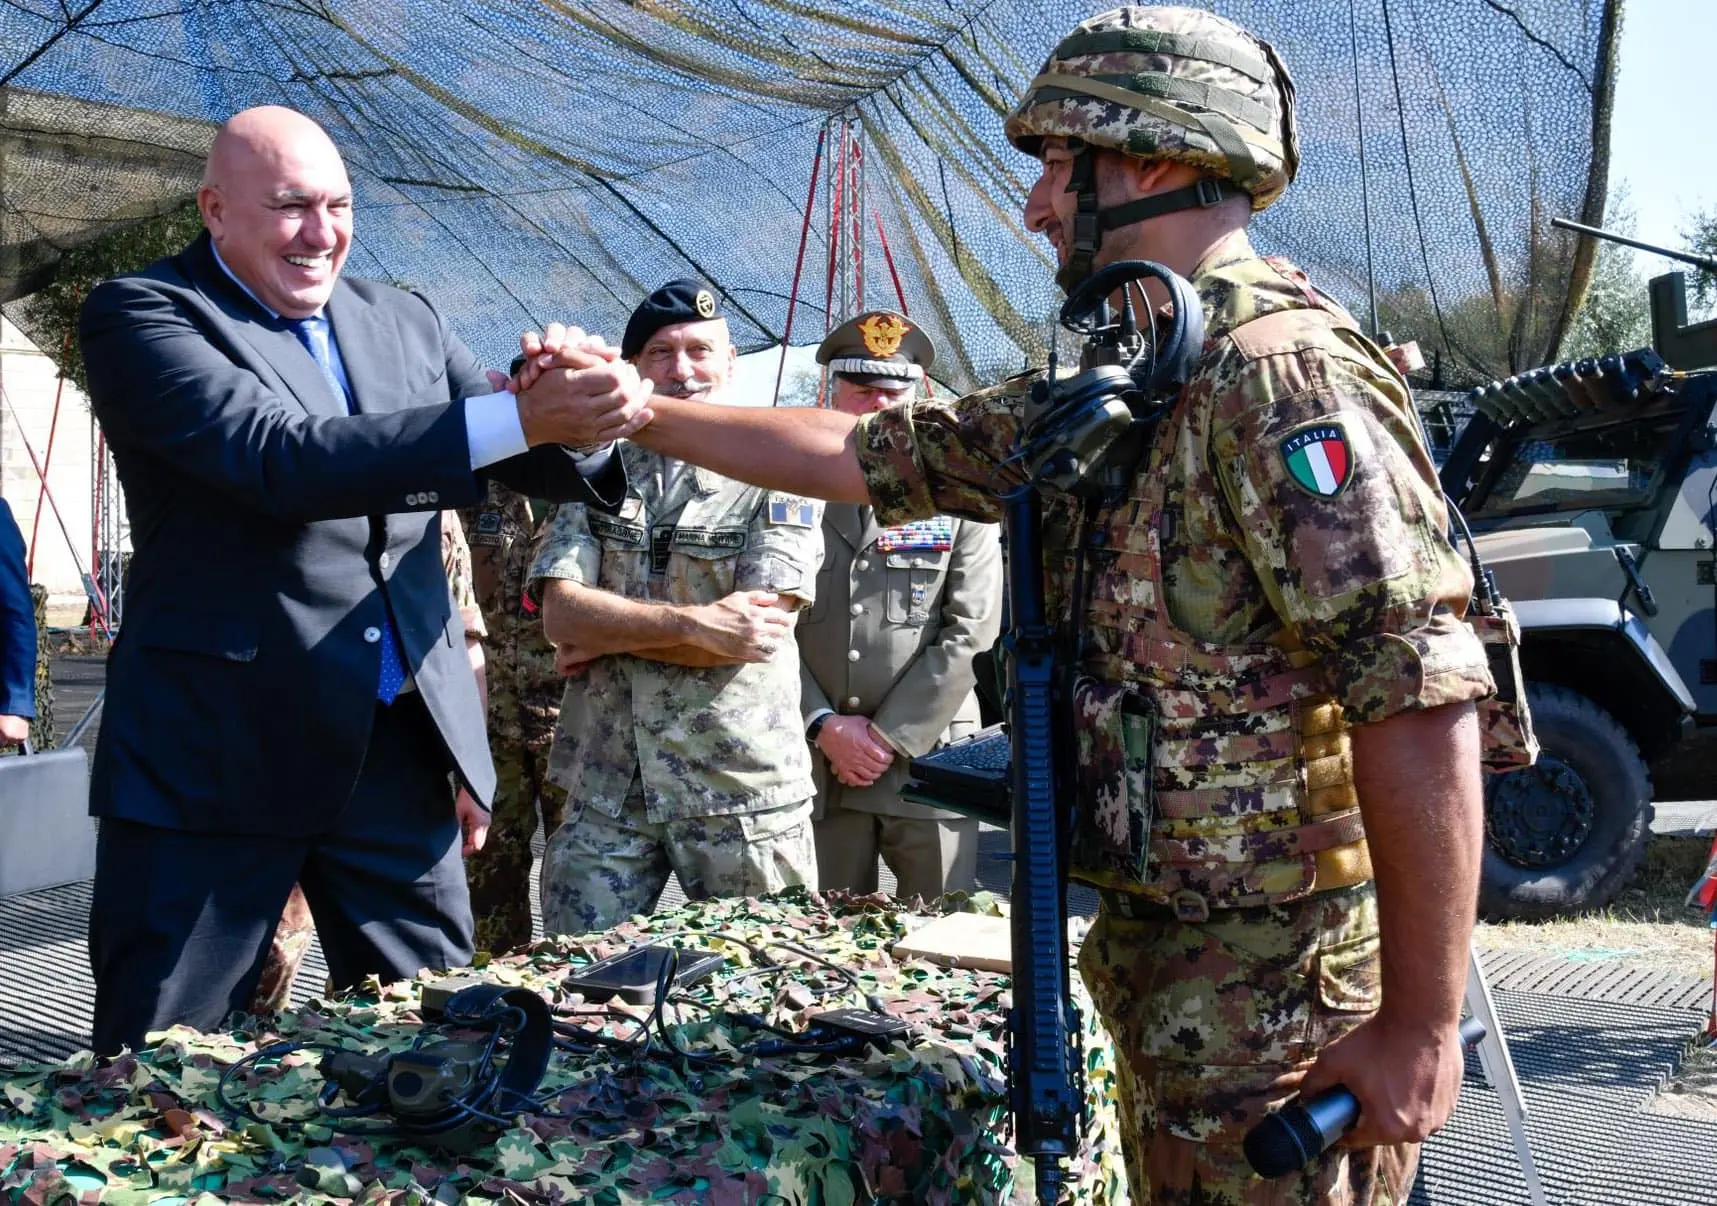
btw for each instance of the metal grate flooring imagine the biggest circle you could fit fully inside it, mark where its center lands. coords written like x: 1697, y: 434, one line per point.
x: 1592, y: 1043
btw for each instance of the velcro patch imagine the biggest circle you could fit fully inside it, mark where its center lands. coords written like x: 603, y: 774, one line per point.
x: 1319, y: 459
x: 792, y: 512
x: 615, y: 532
x: 710, y: 538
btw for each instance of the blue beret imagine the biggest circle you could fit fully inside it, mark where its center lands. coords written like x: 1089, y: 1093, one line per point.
x: 675, y: 302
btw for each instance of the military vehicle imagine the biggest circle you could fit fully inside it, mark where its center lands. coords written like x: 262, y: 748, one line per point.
x: 1591, y: 492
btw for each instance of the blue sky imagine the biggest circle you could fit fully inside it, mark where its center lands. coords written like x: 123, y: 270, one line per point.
x: 1663, y: 144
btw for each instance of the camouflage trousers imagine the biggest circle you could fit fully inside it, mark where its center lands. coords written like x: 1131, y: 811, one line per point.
x: 500, y: 873
x: 599, y: 870
x: 1214, y: 1022
x: 292, y: 938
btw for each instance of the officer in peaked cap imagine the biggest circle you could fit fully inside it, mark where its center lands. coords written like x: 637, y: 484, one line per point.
x: 887, y: 653
x: 878, y: 350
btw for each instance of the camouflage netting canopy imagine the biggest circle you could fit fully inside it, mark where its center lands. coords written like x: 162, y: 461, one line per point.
x: 524, y: 162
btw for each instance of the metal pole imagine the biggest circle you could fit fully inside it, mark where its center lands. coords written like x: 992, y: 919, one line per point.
x: 1364, y: 178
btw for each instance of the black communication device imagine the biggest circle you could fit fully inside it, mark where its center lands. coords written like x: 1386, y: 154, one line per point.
x: 866, y: 1024
x: 632, y: 975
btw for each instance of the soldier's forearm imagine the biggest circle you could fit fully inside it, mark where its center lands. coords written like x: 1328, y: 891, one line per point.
x: 599, y: 622
x: 689, y: 655
x: 795, y: 450
x: 1417, y: 776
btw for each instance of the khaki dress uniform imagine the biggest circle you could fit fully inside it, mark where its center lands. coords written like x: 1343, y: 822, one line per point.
x: 898, y: 618
x: 699, y: 771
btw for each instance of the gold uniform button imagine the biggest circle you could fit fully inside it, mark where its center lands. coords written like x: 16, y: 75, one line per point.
x: 858, y: 609
x: 852, y: 655
x: 852, y: 701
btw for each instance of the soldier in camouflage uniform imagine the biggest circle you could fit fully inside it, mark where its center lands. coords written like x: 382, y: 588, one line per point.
x: 296, y: 930
x: 524, y: 700
x: 679, y: 741
x: 1279, y: 793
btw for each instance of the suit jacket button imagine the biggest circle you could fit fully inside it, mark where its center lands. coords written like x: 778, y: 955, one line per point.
x: 386, y: 560
x: 372, y: 635
x: 411, y: 500
x: 852, y: 655
x: 432, y: 496
x: 852, y: 701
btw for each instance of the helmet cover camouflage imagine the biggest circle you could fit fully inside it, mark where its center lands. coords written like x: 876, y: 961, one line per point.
x: 1169, y: 83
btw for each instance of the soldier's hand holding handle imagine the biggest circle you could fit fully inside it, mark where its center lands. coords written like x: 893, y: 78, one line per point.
x: 855, y: 755
x: 1404, y: 1070
x: 1289, y: 1139
x: 574, y: 389
x: 746, y: 625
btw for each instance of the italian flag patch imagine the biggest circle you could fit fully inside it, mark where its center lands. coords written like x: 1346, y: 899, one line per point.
x: 1319, y: 459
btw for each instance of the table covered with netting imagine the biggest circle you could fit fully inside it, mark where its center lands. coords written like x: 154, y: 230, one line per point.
x: 717, y: 1092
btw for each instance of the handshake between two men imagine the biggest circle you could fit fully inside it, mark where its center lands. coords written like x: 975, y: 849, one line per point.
x: 576, y: 389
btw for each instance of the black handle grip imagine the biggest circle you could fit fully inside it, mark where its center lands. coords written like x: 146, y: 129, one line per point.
x: 1292, y: 1137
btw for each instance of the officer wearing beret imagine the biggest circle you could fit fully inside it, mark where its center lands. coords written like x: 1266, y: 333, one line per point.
x: 887, y: 649
x: 679, y: 738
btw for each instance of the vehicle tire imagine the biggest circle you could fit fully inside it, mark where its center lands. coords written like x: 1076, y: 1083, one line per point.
x: 1568, y: 832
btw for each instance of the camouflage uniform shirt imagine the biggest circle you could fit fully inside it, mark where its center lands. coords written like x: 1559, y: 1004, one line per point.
x: 705, y: 742
x: 524, y: 690
x: 1363, y: 576
x: 456, y: 560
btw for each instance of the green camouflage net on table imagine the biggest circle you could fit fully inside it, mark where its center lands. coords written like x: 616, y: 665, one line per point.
x: 923, y: 1122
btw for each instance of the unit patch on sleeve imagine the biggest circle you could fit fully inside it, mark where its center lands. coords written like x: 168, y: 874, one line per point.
x: 1319, y: 459
x: 792, y: 512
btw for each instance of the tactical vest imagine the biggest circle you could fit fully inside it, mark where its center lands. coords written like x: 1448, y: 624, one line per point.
x: 1210, y: 776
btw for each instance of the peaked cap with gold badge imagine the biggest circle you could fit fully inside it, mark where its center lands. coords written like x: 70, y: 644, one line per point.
x: 878, y: 347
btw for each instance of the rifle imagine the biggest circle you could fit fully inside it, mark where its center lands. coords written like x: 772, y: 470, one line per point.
x: 1082, y: 436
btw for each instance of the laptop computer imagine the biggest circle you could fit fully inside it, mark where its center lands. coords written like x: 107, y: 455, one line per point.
x: 968, y: 776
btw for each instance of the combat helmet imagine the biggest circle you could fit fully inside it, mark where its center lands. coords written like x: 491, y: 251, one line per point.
x: 1162, y: 83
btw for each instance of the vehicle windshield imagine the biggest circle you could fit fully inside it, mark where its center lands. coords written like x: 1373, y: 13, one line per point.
x: 1597, y: 467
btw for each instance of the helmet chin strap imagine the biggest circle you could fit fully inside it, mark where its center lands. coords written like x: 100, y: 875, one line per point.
x: 1089, y: 221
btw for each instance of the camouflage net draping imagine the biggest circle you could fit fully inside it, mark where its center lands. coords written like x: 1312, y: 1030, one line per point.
x: 527, y: 161
x: 924, y: 1122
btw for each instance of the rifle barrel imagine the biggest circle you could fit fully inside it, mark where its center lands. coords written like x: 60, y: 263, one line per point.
x: 1704, y: 262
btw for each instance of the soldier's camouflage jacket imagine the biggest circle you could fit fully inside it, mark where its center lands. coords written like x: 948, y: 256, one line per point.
x: 706, y: 742
x: 1278, y: 571
x: 524, y: 690
x: 456, y: 560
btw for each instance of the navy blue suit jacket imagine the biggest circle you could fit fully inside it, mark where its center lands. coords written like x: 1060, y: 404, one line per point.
x: 270, y: 530
x: 17, y: 623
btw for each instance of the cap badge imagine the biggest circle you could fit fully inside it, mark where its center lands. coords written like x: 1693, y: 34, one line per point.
x: 882, y: 334
x: 706, y: 303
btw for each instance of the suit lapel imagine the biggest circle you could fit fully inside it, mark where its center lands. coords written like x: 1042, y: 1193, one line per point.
x: 374, y: 366
x: 272, y: 343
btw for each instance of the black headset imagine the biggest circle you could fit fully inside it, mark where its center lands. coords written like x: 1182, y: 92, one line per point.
x: 1083, y: 435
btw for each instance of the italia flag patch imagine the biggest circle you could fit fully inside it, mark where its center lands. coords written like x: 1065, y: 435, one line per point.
x: 1319, y: 459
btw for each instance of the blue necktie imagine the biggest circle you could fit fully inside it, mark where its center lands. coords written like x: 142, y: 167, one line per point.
x: 314, y: 334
